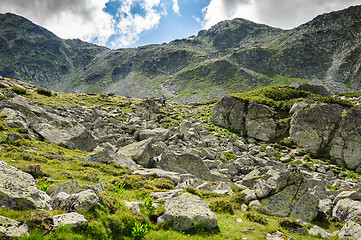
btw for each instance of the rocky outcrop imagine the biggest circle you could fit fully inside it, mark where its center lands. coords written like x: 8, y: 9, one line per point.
x: 186, y: 212
x: 18, y: 190
x: 254, y: 120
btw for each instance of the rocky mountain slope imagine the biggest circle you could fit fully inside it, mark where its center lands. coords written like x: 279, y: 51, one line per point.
x: 81, y: 166
x: 232, y: 56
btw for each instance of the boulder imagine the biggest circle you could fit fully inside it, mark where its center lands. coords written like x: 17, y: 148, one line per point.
x: 106, y: 156
x: 260, y: 123
x: 315, y: 89
x: 173, y: 176
x: 78, y: 202
x: 317, y: 231
x: 73, y: 136
x: 351, y: 230
x: 18, y: 190
x: 73, y: 186
x: 14, y: 119
x: 347, y: 209
x: 277, y: 235
x: 161, y: 197
x: 11, y: 228
x: 229, y: 113
x: 346, y: 145
x: 140, y: 152
x: 186, y: 212
x: 157, y: 134
x: 73, y: 219
x: 186, y: 163
x: 313, y: 123
x: 289, y: 197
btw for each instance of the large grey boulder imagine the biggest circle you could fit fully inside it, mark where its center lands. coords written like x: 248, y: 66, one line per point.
x: 315, y: 89
x: 73, y: 219
x: 141, y: 152
x: 173, y: 176
x: 106, y: 156
x: 351, y: 230
x: 157, y: 134
x: 73, y: 186
x: 12, y: 228
x: 289, y: 197
x: 18, y: 190
x: 346, y: 145
x: 347, y: 209
x: 186, y: 212
x: 187, y: 163
x: 79, y: 202
x: 229, y: 113
x: 260, y: 123
x: 313, y: 123
x: 63, y: 132
x: 14, y: 119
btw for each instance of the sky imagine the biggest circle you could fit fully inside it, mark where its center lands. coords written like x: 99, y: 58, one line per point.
x: 131, y: 23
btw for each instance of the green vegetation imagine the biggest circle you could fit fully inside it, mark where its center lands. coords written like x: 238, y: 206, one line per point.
x: 44, y: 92
x: 19, y: 90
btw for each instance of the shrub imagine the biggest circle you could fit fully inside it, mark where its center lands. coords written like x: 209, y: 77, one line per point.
x: 139, y: 231
x: 220, y: 205
x: 35, y: 170
x: 289, y: 223
x: 121, y: 224
x: 239, y: 198
x: 253, y: 217
x: 19, y: 90
x: 44, y: 92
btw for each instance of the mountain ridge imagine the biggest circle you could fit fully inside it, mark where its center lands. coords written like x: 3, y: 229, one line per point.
x: 232, y: 56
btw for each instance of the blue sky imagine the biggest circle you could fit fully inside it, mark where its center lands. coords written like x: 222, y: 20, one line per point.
x: 172, y: 25
x: 131, y: 23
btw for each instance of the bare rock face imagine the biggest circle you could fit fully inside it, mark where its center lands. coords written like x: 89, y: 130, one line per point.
x: 228, y: 113
x: 186, y: 212
x: 18, y: 190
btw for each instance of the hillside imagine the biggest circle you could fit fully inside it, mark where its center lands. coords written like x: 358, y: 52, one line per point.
x: 79, y: 166
x: 232, y: 56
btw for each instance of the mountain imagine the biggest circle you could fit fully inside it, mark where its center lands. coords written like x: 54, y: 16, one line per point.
x: 232, y: 56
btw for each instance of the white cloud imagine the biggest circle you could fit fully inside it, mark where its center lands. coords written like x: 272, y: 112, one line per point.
x: 176, y: 7
x: 279, y: 13
x: 130, y: 26
x: 86, y: 20
x: 82, y: 19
